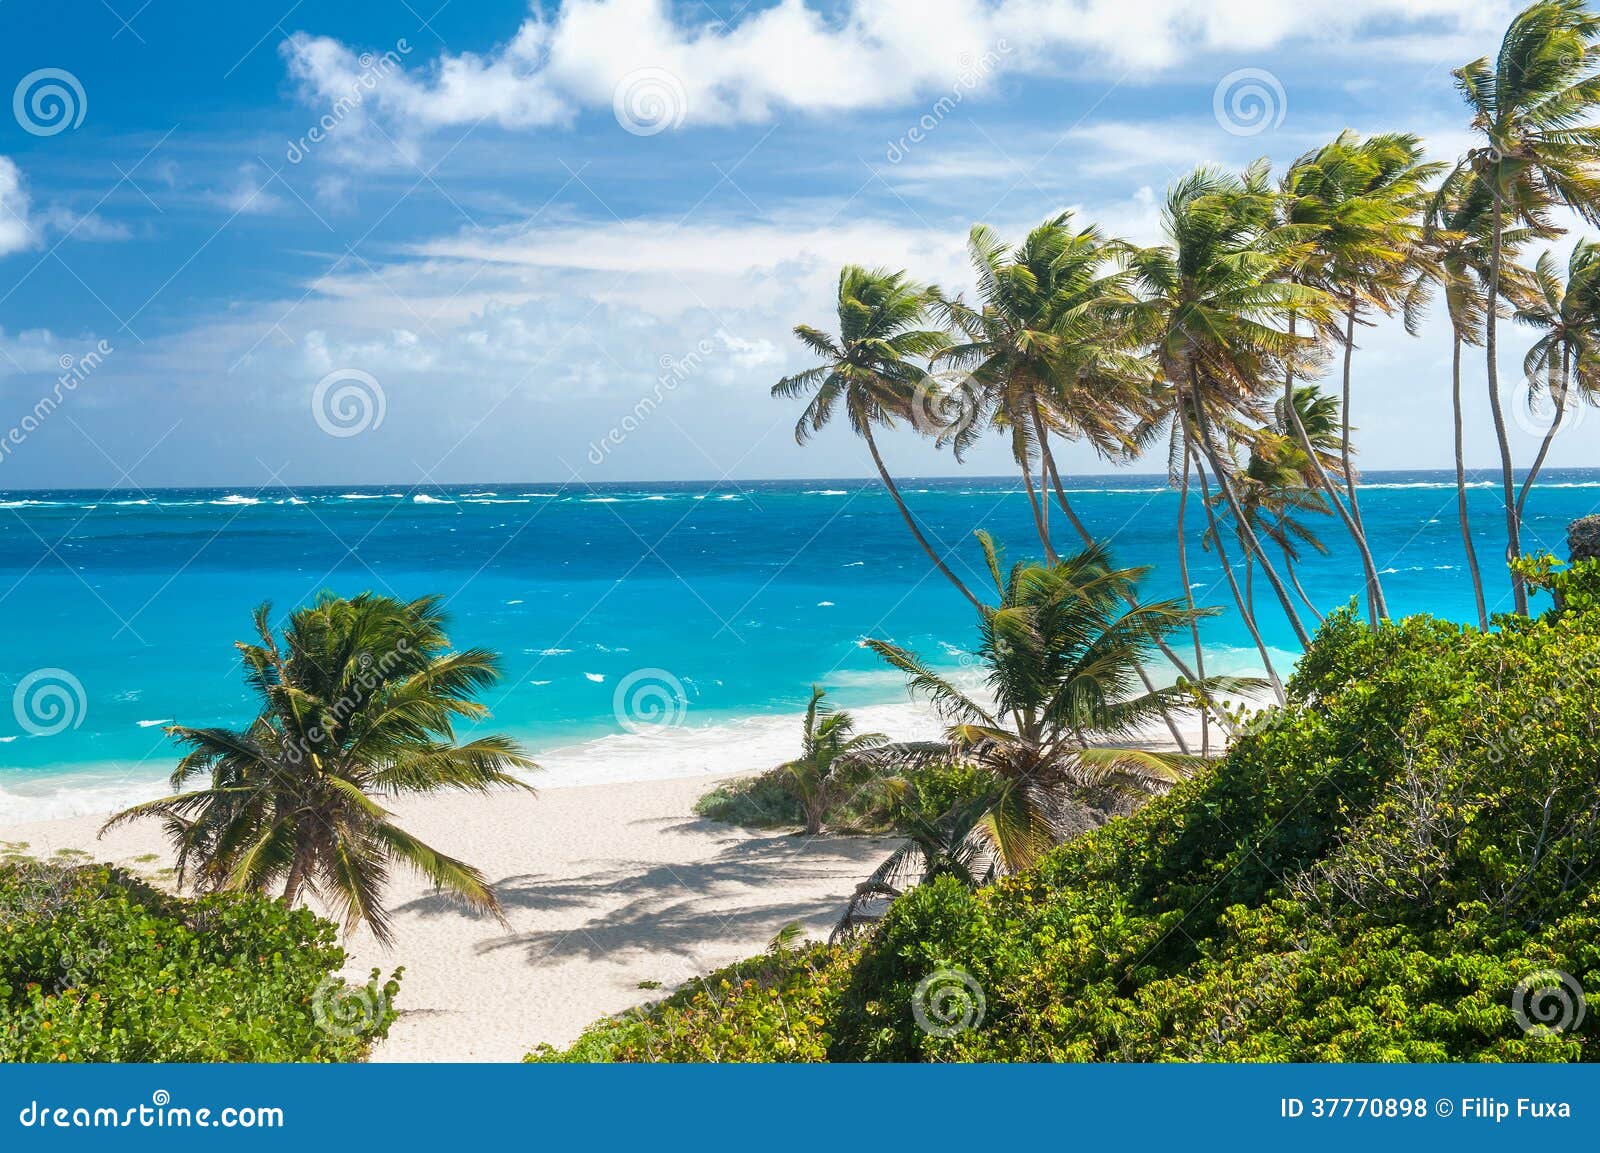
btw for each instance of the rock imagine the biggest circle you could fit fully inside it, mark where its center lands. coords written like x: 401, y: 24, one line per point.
x: 1583, y: 538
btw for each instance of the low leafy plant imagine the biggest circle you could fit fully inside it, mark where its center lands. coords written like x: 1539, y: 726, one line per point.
x: 96, y: 965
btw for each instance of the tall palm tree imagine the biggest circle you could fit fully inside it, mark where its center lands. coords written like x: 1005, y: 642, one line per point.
x: 1565, y: 310
x: 1453, y: 257
x: 358, y: 702
x: 1043, y: 354
x: 1530, y: 106
x: 815, y: 779
x: 869, y: 371
x: 1060, y: 652
x: 1362, y: 198
x: 1213, y: 300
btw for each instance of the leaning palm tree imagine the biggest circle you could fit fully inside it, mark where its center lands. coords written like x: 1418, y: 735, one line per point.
x: 1362, y: 198
x: 1213, y: 300
x: 868, y: 370
x: 1061, y: 652
x: 1531, y: 106
x: 1042, y: 353
x: 819, y: 778
x: 1565, y: 310
x: 359, y: 702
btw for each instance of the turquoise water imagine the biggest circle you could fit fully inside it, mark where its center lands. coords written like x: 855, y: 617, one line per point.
x: 742, y: 596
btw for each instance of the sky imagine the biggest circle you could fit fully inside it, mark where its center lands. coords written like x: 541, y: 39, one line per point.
x: 419, y: 242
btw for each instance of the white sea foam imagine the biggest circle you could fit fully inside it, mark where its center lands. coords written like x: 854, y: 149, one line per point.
x: 424, y: 498
x: 154, y: 723
x: 234, y: 498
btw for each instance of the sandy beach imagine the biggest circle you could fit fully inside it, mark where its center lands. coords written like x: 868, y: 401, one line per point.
x: 604, y: 887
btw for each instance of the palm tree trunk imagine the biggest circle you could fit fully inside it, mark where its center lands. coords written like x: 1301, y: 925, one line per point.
x: 1507, y: 473
x: 1550, y: 434
x: 1238, y: 596
x: 1039, y: 524
x: 1188, y: 596
x: 1368, y: 566
x: 1294, y: 579
x: 911, y: 523
x: 296, y: 881
x: 1049, y: 460
x: 1373, y: 596
x: 1461, y: 477
x: 1246, y: 531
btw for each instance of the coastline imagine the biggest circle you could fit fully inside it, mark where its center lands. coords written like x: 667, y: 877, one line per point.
x: 605, y: 884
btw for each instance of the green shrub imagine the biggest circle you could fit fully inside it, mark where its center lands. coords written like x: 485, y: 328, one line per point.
x: 96, y: 965
x: 765, y: 801
x: 1388, y: 869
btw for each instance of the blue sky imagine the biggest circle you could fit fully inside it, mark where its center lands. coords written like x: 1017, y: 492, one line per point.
x: 572, y: 239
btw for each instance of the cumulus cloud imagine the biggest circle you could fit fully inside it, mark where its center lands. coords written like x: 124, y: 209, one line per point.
x: 797, y: 56
x: 17, y: 230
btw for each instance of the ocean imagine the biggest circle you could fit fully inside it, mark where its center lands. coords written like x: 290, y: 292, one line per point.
x: 645, y: 629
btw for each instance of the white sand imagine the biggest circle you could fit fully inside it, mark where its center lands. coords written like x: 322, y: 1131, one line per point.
x: 604, y: 886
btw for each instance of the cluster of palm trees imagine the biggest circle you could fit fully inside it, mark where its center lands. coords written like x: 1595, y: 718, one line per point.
x: 1207, y: 345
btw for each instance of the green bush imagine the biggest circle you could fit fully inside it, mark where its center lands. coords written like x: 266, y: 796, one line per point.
x: 1388, y: 869
x: 96, y: 965
x: 765, y: 801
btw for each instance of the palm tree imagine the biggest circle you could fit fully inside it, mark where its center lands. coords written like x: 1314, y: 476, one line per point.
x: 1362, y: 198
x: 1213, y: 300
x: 1042, y: 352
x: 1061, y: 652
x: 358, y: 702
x: 818, y: 778
x: 1566, y: 310
x: 1453, y: 256
x: 1529, y: 106
x: 868, y: 370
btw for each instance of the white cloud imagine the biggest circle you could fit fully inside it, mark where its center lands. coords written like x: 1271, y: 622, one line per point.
x: 17, y: 230
x: 794, y: 56
x: 248, y: 194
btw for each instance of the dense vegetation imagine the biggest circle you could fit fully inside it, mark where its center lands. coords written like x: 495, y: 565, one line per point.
x: 96, y: 965
x: 1392, y: 867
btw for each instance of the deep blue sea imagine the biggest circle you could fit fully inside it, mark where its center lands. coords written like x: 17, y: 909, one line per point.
x: 744, y: 595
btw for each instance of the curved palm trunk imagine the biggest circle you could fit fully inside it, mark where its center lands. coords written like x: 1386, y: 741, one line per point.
x: 1268, y: 569
x: 1376, y: 609
x: 1188, y: 597
x: 1461, y: 478
x: 1550, y: 435
x: 1038, y: 517
x: 1233, y: 584
x: 911, y: 522
x: 296, y: 881
x: 1507, y: 473
x: 1369, y: 567
x: 1294, y: 579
